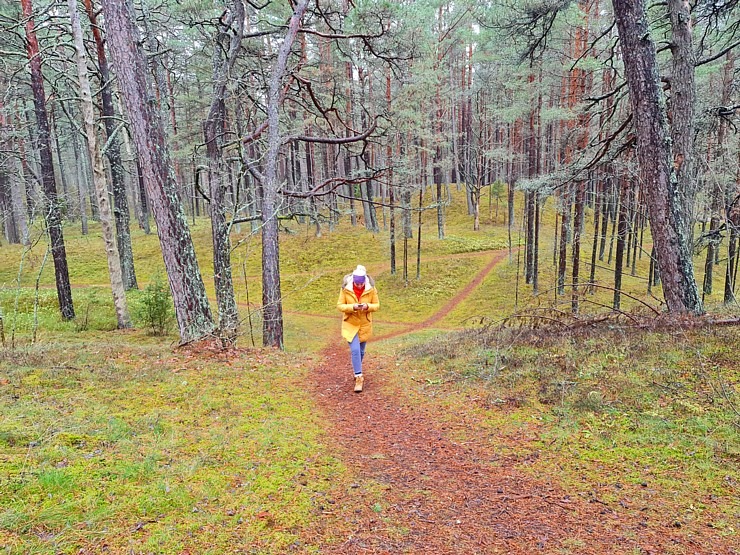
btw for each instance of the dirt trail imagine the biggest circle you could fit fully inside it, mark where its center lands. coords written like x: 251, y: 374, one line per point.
x: 445, y: 497
x: 497, y: 256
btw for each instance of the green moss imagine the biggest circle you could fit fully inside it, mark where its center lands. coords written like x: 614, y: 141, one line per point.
x: 151, y: 445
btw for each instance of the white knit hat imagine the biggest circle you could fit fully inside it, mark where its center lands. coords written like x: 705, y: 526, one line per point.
x: 359, y: 271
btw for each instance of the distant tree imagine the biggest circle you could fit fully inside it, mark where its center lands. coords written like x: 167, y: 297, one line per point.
x: 52, y: 209
x: 15, y: 208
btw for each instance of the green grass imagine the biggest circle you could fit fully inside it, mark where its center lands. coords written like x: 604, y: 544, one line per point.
x: 145, y: 449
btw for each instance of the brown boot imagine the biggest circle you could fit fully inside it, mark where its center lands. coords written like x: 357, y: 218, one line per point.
x: 359, y: 380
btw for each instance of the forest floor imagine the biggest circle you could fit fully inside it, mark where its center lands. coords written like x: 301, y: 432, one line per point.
x: 445, y: 496
x: 621, y: 441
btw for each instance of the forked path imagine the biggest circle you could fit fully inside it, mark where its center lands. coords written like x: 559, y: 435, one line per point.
x: 445, y: 497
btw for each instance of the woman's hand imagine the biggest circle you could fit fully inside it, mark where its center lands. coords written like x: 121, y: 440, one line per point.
x: 360, y: 306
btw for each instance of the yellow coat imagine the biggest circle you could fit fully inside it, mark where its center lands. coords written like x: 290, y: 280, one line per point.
x: 355, y: 321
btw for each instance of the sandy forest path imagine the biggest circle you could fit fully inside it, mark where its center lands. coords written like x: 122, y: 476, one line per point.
x: 447, y: 497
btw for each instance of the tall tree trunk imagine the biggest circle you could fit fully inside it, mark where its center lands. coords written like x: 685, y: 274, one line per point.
x: 345, y: 157
x: 272, y: 303
x: 101, y: 187
x: 52, y: 209
x: 192, y: 310
x: 683, y: 99
x: 664, y: 208
x: 227, y: 43
x: 607, y: 197
x: 113, y: 153
x: 533, y: 154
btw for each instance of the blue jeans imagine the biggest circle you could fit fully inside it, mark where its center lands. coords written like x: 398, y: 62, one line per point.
x: 357, y: 352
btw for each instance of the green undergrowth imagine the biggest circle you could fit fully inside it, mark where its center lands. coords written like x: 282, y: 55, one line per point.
x: 26, y: 310
x: 120, y: 445
x: 648, y: 422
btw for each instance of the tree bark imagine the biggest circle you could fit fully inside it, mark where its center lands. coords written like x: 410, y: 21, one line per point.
x: 192, y: 310
x: 52, y: 210
x: 660, y: 186
x: 101, y: 187
x: 683, y: 99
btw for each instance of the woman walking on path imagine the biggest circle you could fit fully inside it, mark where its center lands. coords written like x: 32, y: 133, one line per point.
x: 357, y: 299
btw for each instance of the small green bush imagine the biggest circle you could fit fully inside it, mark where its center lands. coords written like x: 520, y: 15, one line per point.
x: 155, y: 307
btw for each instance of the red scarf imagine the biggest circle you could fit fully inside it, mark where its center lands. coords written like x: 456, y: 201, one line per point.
x: 358, y: 289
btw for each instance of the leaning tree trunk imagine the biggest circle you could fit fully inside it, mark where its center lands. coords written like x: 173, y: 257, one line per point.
x: 272, y: 303
x: 52, y: 209
x: 653, y: 151
x: 214, y: 129
x: 101, y: 187
x: 192, y: 311
x: 113, y: 153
